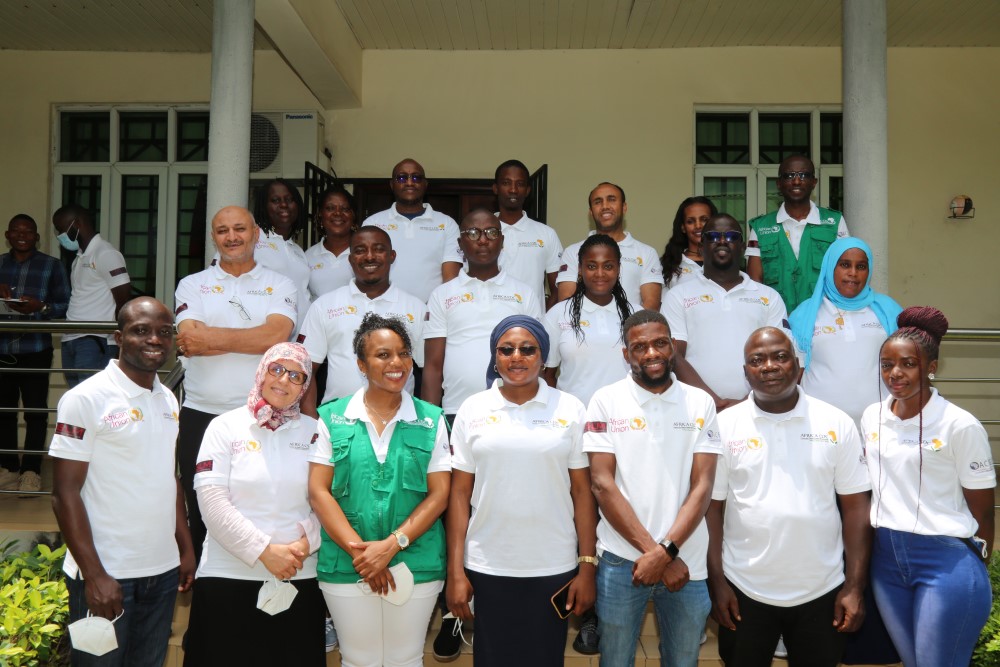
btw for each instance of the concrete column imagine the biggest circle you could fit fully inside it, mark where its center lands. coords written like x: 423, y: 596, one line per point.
x: 229, y: 124
x: 866, y: 180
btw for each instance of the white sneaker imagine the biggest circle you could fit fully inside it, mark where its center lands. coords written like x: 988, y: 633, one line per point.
x: 8, y: 480
x: 29, y: 481
x: 780, y: 651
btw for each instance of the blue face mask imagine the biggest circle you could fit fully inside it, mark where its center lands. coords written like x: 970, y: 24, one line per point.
x: 73, y: 245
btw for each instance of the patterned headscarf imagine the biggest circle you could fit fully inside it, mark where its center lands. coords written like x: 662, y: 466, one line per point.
x: 266, y: 415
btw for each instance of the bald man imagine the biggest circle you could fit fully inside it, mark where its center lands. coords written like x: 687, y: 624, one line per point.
x: 425, y: 240
x: 227, y: 316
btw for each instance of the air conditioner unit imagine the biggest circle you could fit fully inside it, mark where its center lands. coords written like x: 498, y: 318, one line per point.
x: 282, y: 141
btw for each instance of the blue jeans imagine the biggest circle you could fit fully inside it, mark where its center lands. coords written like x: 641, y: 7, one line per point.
x: 934, y: 596
x: 86, y: 352
x: 620, y: 607
x: 144, y: 628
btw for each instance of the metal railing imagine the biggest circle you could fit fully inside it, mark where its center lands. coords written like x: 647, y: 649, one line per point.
x: 170, y: 378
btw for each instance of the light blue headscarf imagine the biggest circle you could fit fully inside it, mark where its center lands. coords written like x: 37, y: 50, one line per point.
x: 803, y: 319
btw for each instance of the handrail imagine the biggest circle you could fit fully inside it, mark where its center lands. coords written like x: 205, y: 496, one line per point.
x: 56, y: 326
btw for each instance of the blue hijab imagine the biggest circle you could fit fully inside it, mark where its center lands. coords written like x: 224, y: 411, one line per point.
x: 507, y: 323
x: 803, y: 319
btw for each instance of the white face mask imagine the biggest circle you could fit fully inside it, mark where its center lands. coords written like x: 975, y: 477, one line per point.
x: 94, y: 634
x: 276, y: 596
x: 404, y: 585
x: 73, y: 245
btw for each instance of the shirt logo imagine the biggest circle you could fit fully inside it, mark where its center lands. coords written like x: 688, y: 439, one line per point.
x: 467, y: 297
x: 317, y: 266
x: 70, y: 431
x: 692, y: 427
x: 638, y: 260
x: 299, y: 445
x: 331, y: 313
x: 830, y: 437
x: 267, y: 291
x: 984, y: 466
x: 135, y: 414
x: 595, y: 427
x: 240, y: 446
x: 637, y: 424
x: 119, y: 419
x: 203, y: 466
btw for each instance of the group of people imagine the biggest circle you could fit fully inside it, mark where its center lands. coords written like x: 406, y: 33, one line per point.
x: 514, y: 433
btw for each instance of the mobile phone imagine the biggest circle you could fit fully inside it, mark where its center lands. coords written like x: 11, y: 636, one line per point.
x: 560, y: 599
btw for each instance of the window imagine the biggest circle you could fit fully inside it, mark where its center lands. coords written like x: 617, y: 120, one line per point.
x: 143, y: 173
x: 737, y: 153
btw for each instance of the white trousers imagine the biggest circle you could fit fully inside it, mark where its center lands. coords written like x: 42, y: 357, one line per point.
x: 376, y: 633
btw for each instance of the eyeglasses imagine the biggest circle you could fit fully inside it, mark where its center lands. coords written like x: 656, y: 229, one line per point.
x: 525, y: 350
x: 731, y: 236
x: 237, y: 304
x: 334, y: 208
x: 792, y: 175
x: 492, y: 233
x: 403, y: 178
x: 295, y: 377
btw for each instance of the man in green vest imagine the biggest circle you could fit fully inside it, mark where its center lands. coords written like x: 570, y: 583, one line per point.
x: 786, y: 247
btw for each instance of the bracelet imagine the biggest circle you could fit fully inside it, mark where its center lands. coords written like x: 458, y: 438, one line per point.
x: 588, y: 559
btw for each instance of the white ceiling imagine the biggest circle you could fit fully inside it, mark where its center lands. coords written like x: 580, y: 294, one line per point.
x: 186, y: 25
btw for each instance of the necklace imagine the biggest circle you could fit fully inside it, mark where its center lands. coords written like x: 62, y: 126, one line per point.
x: 385, y: 421
x: 693, y: 254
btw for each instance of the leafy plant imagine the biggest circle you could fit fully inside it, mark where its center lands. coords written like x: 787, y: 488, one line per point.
x: 35, y: 607
x: 987, y: 651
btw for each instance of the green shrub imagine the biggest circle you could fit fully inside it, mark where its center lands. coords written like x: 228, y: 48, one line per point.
x: 34, y: 607
x: 987, y: 651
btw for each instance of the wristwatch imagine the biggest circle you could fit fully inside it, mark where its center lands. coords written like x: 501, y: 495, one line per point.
x: 401, y: 539
x: 46, y: 309
x: 588, y: 559
x: 671, y: 549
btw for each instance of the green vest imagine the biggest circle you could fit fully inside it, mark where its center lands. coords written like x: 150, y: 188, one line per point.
x: 377, y: 497
x: 794, y: 279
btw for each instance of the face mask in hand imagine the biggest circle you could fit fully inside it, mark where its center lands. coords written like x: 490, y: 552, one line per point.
x: 276, y: 596
x: 94, y: 634
x: 404, y: 585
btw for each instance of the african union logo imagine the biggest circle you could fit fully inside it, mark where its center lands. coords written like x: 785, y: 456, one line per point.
x: 541, y: 243
x: 351, y: 310
x: 410, y: 317
x: 638, y: 260
x: 467, y: 297
x: 873, y: 437
x: 700, y: 422
x: 707, y: 298
x: 492, y: 419
x: 392, y: 227
x: 764, y: 300
x: 560, y: 423
x: 584, y: 323
x: 829, y: 330
x: 217, y: 289
x: 833, y: 436
x: 135, y: 414
x: 637, y: 424
x: 441, y: 226
x: 754, y: 443
x: 517, y: 297
x: 253, y: 446
x: 936, y: 444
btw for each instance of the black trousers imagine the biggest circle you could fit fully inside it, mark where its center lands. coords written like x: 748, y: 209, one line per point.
x: 191, y: 429
x: 32, y: 391
x: 807, y: 629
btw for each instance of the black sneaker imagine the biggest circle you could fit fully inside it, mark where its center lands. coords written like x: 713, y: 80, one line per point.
x: 448, y: 643
x: 586, y: 641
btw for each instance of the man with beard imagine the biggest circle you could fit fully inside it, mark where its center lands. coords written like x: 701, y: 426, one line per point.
x: 328, y: 330
x: 789, y: 531
x: 641, y: 272
x: 653, y: 445
x: 710, y: 316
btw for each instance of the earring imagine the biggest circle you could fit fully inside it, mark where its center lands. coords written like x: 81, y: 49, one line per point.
x: 364, y: 375
x: 495, y: 370
x: 930, y: 376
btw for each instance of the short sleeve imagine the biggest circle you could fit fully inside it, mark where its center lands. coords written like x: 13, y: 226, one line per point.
x: 673, y: 310
x: 595, y: 429
x: 441, y: 456
x: 323, y: 450
x: 569, y: 268
x: 708, y: 440
x: 451, y: 251
x: 437, y: 322
x: 312, y: 335
x: 76, y: 430
x: 720, y: 488
x: 578, y: 458
x: 842, y: 231
x: 187, y: 302
x: 553, y: 253
x: 851, y: 474
x: 652, y: 270
x: 111, y: 267
x: 533, y: 307
x: 753, y: 244
x: 417, y: 334
x: 284, y: 300
x: 973, y: 458
x: 461, y: 452
x: 777, y: 314
x: 215, y: 456
x: 551, y: 323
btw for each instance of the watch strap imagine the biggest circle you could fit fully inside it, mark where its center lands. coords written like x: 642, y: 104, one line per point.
x: 672, y: 549
x: 588, y: 559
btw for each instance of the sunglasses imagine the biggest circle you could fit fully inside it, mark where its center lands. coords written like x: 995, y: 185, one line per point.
x: 525, y: 350
x: 792, y: 175
x: 403, y: 178
x: 731, y: 236
x: 474, y: 234
x: 295, y: 377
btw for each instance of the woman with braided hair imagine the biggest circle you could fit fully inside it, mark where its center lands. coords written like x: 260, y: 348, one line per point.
x: 585, y: 330
x: 932, y: 502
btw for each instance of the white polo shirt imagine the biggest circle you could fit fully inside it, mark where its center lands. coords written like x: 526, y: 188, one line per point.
x: 522, y: 512
x: 530, y: 250
x: 794, y: 229
x: 265, y: 473
x: 780, y: 475
x: 219, y: 383
x: 589, y: 364
x: 422, y: 245
x: 690, y: 269
x: 843, y: 369
x: 126, y: 434
x: 956, y: 456
x: 327, y: 271
x: 654, y: 438
x: 464, y: 311
x: 715, y: 324
x: 328, y: 332
x: 286, y: 258
x: 640, y: 266
x: 95, y: 272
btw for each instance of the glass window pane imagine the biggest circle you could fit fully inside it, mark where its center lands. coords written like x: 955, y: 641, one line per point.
x: 782, y: 135
x: 831, y: 138
x: 84, y: 190
x: 191, y: 224
x: 139, y: 199
x: 729, y: 194
x: 192, y: 136
x: 84, y: 136
x: 722, y: 138
x: 836, y: 194
x: 772, y: 197
x: 142, y: 136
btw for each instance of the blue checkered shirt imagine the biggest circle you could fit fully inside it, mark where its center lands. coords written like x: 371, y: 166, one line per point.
x: 42, y: 277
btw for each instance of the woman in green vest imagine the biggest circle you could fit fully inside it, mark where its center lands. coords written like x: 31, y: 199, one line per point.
x: 378, y: 482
